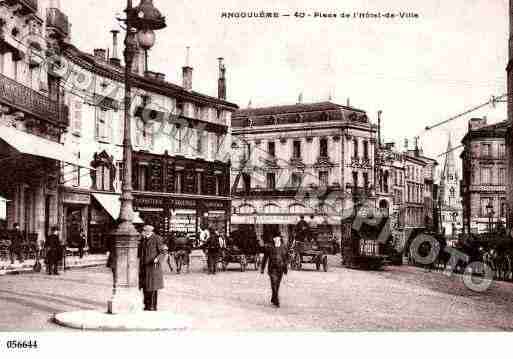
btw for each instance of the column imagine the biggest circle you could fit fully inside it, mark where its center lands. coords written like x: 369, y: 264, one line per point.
x: 259, y: 228
x: 39, y: 211
x: 285, y: 233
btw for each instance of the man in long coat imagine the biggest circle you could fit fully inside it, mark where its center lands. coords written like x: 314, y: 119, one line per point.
x: 277, y: 255
x: 16, y: 246
x: 54, y: 251
x: 151, y: 253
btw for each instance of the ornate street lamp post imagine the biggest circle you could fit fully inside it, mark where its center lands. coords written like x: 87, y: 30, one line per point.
x: 141, y: 22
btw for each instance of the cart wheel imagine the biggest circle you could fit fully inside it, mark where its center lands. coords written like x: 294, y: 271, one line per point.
x: 325, y: 263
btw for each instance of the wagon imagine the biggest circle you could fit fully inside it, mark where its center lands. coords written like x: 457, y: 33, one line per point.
x: 233, y: 254
x: 308, y: 252
x: 181, y: 250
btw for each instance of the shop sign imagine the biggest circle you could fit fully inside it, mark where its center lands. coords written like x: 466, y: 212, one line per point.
x: 182, y: 203
x: 215, y: 205
x: 77, y: 198
x: 148, y: 202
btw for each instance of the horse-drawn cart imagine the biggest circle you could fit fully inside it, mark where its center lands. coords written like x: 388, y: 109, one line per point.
x: 308, y: 252
x: 234, y: 254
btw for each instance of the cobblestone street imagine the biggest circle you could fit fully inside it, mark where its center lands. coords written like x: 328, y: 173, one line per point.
x: 399, y: 298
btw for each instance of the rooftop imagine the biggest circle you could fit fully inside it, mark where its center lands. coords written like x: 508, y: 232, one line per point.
x: 298, y: 113
x: 165, y: 88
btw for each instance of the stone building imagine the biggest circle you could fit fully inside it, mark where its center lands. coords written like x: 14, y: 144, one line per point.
x: 33, y: 118
x: 315, y: 160
x: 181, y: 140
x: 390, y: 183
x: 484, y: 182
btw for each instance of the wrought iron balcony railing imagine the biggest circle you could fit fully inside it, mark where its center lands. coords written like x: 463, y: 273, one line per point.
x: 16, y: 95
x: 57, y: 20
x: 27, y: 6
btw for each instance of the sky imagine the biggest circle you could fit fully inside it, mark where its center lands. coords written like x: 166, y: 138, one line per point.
x: 418, y: 71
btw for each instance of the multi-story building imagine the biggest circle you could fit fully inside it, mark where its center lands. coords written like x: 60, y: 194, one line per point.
x: 305, y: 159
x: 483, y: 186
x: 181, y: 141
x: 406, y: 182
x: 33, y: 118
x: 414, y: 189
x: 390, y: 183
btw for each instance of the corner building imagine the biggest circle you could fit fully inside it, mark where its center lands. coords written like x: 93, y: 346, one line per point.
x: 312, y: 159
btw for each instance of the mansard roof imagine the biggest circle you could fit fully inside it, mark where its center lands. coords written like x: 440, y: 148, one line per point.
x: 298, y: 113
x: 162, y: 87
x: 496, y: 130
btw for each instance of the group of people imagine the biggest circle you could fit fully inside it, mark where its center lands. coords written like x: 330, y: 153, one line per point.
x: 52, y: 248
x: 212, y: 243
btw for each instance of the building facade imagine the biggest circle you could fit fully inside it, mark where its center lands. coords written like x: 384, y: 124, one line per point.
x: 484, y: 182
x: 313, y: 160
x: 181, y: 141
x: 33, y: 118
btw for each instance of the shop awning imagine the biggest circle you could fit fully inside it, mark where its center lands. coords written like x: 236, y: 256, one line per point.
x: 112, y: 205
x: 29, y: 144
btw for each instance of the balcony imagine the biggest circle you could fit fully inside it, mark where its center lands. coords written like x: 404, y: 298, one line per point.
x: 57, y: 21
x: 22, y: 98
x: 27, y: 6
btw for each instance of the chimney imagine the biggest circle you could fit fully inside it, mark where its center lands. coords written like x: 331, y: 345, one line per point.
x: 187, y: 72
x: 100, y: 54
x: 161, y: 76
x: 300, y: 98
x: 221, y: 82
x: 114, y: 60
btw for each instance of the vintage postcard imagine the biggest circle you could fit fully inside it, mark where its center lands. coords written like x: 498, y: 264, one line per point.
x: 272, y: 166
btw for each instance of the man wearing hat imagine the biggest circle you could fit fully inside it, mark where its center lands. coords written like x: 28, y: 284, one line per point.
x: 151, y: 252
x: 277, y: 256
x: 15, y: 248
x: 53, y: 251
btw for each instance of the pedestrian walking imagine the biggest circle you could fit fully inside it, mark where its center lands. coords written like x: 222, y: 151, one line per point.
x: 170, y: 250
x: 213, y: 248
x: 82, y: 240
x: 111, y: 255
x: 151, y: 253
x: 53, y: 249
x: 16, y: 246
x: 277, y: 256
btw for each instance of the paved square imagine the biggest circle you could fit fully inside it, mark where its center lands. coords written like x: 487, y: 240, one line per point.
x: 398, y: 298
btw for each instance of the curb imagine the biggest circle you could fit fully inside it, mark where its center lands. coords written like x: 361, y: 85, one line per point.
x: 29, y: 269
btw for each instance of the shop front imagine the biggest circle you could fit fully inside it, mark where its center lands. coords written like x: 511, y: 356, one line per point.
x: 182, y: 216
x: 31, y: 167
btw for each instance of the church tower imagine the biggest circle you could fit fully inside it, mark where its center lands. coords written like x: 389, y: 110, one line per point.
x: 450, y: 200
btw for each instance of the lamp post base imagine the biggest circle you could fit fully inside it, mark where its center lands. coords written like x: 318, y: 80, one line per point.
x: 125, y: 301
x: 126, y: 296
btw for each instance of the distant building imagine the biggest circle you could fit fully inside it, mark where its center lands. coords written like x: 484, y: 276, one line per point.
x: 313, y: 160
x: 451, y: 209
x: 484, y: 175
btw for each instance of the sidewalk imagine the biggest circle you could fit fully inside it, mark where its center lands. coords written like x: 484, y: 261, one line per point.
x: 90, y: 260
